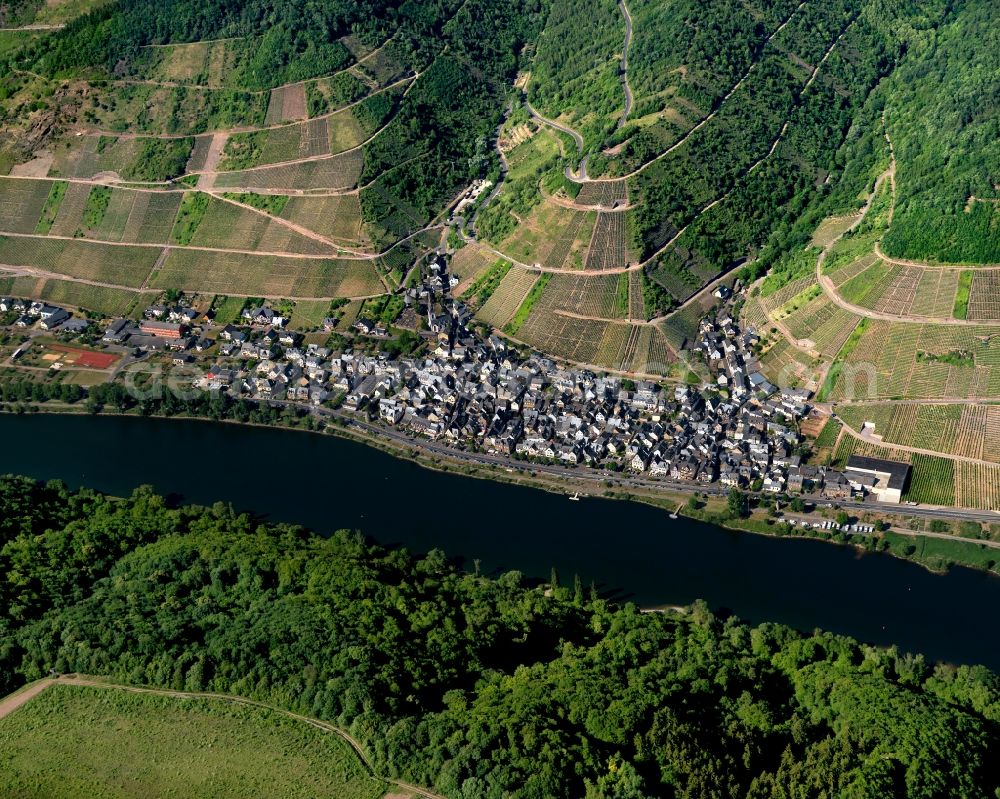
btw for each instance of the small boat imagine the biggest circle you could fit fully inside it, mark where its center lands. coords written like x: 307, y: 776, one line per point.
x: 574, y: 497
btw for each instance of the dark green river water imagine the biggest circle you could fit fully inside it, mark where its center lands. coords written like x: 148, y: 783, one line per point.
x: 634, y: 550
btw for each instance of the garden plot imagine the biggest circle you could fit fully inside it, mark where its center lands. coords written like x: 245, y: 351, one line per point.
x: 152, y: 217
x: 565, y: 337
x: 925, y: 361
x: 508, y: 296
x: 786, y: 365
x: 845, y: 271
x: 636, y: 304
x: 21, y: 203
x: 825, y: 324
x: 70, y: 214
x: 867, y: 288
x: 650, y: 355
x: 607, y: 245
x: 470, y: 263
x: 99, y: 299
x: 984, y: 297
x: 786, y: 293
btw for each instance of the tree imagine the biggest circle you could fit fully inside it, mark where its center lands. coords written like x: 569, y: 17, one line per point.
x: 739, y: 504
x: 843, y: 518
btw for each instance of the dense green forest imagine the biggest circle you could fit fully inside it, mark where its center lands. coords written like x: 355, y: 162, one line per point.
x: 478, y: 686
x: 943, y: 112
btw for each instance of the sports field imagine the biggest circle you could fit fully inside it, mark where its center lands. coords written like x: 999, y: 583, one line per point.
x: 102, y: 743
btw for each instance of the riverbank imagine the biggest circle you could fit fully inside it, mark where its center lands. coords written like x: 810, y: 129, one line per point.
x: 935, y: 553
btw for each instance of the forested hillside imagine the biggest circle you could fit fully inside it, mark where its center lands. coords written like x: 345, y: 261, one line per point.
x: 478, y: 686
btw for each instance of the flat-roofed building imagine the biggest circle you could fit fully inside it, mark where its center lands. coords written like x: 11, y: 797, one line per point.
x: 886, y: 479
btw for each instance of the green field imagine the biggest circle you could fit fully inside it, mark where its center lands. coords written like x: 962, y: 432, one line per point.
x: 102, y: 743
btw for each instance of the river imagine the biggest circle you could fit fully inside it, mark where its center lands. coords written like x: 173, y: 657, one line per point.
x: 632, y: 549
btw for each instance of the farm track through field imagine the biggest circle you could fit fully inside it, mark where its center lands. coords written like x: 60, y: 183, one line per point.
x: 618, y: 320
x: 30, y: 271
x: 88, y: 682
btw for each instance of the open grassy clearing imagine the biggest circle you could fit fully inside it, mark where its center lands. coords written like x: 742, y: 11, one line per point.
x: 831, y: 229
x: 173, y: 110
x: 309, y: 314
x: 130, y: 158
x: 72, y: 741
x: 263, y: 275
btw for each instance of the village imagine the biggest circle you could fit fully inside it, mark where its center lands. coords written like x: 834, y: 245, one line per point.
x: 476, y: 393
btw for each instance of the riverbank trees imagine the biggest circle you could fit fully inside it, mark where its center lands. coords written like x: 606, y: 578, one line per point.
x: 478, y: 686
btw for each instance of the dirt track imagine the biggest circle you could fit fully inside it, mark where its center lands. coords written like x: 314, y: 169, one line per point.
x: 16, y: 700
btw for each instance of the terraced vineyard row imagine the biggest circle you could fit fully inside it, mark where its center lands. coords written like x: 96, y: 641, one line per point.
x: 984, y: 297
x: 587, y: 295
x: 605, y: 193
x: 507, y: 297
x: 607, y: 247
x: 923, y: 361
x: 336, y: 173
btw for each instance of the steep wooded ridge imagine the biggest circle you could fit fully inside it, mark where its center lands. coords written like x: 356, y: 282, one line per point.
x: 475, y: 686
